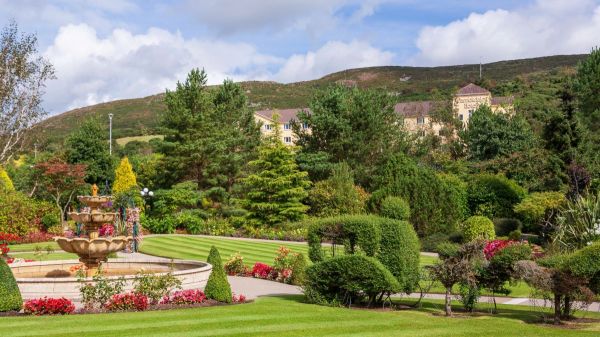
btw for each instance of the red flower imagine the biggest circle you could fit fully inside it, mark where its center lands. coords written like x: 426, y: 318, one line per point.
x: 494, y: 246
x: 106, y: 230
x: 129, y: 301
x: 4, y: 249
x: 49, y: 306
x: 191, y: 296
x: 238, y: 299
x: 261, y: 270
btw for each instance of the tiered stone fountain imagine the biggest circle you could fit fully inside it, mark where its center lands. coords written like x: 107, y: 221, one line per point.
x: 94, y: 250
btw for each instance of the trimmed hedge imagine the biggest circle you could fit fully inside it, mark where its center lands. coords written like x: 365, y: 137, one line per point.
x: 393, y: 242
x: 10, y: 296
x: 478, y: 227
x: 585, y: 262
x: 395, y: 208
x: 217, y: 287
x: 348, y: 279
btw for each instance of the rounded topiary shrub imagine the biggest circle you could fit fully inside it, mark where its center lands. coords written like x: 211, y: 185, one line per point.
x: 395, y: 208
x: 10, y: 296
x: 399, y: 252
x: 478, y: 227
x: 348, y: 279
x: 217, y: 288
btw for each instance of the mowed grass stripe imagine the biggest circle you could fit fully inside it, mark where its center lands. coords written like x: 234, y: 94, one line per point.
x: 30, y: 247
x: 194, y: 249
x: 267, y: 248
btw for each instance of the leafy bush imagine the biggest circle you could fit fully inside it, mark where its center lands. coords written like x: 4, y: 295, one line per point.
x: 50, y: 220
x: 447, y: 249
x: 6, y: 183
x: 503, y: 226
x: 181, y: 196
x: 468, y: 295
x: 577, y: 225
x: 185, y: 297
x: 399, y: 252
x: 586, y: 261
x: 337, y: 195
x: 165, y: 225
x: 217, y: 287
x: 395, y: 208
x: 282, y: 265
x: 536, y: 207
x: 430, y: 243
x: 20, y: 214
x: 155, y: 286
x: 478, y: 227
x: 515, y: 235
x: 127, y: 302
x: 10, y: 296
x: 100, y: 292
x: 493, y: 196
x: 235, y: 265
x: 349, y: 279
x: 192, y: 221
x: 298, y: 269
x: 49, y: 306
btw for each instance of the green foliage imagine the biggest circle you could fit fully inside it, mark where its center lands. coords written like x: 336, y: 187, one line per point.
x: 561, y: 133
x: 181, y: 196
x: 10, y: 296
x: 399, y: 252
x: 585, y: 262
x: 349, y: 279
x: 20, y: 214
x: 492, y: 135
x: 209, y: 134
x: 477, y: 228
x: 298, y: 269
x: 98, y: 293
x: 124, y: 177
x: 276, y: 187
x: 501, y: 267
x: 468, y: 296
x: 155, y: 287
x: 436, y: 202
x: 50, y: 220
x: 395, y: 208
x: 6, y: 183
x: 217, y: 287
x: 493, y: 196
x: 353, y: 125
x: 577, y: 224
x: 430, y: 243
x: 537, y: 207
x: 504, y: 226
x: 89, y: 145
x: 162, y: 225
x: 337, y: 195
x: 587, y: 86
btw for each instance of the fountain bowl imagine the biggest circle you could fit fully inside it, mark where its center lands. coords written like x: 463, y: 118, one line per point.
x: 89, y: 218
x: 57, y: 278
x: 93, y: 248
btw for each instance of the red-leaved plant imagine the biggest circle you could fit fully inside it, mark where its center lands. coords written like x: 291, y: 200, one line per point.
x: 49, y: 306
x: 190, y: 296
x: 261, y: 270
x: 129, y: 301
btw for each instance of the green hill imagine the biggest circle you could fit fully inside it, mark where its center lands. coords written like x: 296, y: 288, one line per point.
x: 139, y: 116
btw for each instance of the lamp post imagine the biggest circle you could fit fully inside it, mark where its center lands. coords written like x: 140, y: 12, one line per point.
x: 110, y: 116
x: 146, y: 193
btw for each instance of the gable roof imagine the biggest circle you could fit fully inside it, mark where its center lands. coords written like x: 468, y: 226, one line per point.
x: 472, y: 89
x: 413, y: 109
x: 285, y: 115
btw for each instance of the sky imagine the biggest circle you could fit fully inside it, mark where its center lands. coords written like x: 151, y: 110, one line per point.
x: 104, y: 50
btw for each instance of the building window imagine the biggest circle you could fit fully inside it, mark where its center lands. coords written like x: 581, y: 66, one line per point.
x: 287, y: 140
x: 305, y: 125
x: 422, y: 133
x: 420, y: 120
x: 470, y: 113
x: 267, y: 126
x: 460, y: 117
x: 286, y: 126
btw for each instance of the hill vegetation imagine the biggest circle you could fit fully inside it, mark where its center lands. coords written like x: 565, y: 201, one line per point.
x: 139, y: 116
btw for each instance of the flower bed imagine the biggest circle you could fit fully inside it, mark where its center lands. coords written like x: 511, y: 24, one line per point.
x: 285, y: 268
x: 128, y: 302
x: 49, y: 306
x: 192, y: 296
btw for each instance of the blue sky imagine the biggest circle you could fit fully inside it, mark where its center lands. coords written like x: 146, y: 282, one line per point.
x: 112, y: 49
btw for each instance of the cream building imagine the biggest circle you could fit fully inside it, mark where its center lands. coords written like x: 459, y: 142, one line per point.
x: 417, y: 115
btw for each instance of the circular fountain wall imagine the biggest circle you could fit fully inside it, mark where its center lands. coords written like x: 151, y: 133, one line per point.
x: 57, y: 279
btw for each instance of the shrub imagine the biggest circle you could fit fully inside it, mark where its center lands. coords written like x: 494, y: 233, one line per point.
x: 447, y: 249
x: 493, y: 196
x: 399, y: 252
x: 129, y: 301
x: 235, y: 265
x: 6, y: 183
x: 261, y: 270
x: 430, y: 243
x: 125, y: 179
x: 503, y: 226
x: 478, y: 227
x: 337, y: 194
x: 10, y: 296
x: 165, y: 225
x: 395, y: 208
x: 154, y: 286
x: 20, y: 214
x: 282, y: 265
x: 100, y: 292
x: 349, y: 279
x: 49, y: 306
x: 298, y: 269
x: 586, y: 261
x: 185, y: 297
x: 515, y: 235
x: 468, y: 295
x: 50, y: 220
x: 192, y: 221
x: 217, y: 287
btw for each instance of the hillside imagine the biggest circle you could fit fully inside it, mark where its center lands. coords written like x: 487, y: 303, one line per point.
x: 139, y: 116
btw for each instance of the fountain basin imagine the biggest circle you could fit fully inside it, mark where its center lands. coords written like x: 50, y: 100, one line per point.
x: 94, y: 201
x: 88, y: 218
x: 56, y: 278
x: 93, y: 248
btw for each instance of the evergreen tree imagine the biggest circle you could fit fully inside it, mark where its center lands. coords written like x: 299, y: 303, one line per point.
x: 10, y: 296
x: 276, y: 187
x: 124, y: 177
x: 209, y: 134
x: 89, y: 145
x: 6, y: 183
x: 217, y: 288
x: 587, y: 87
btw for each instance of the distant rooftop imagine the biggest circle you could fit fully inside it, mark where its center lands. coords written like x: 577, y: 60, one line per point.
x: 472, y: 89
x: 285, y: 115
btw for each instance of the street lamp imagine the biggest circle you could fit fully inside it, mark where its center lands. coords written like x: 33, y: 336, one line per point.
x: 110, y: 116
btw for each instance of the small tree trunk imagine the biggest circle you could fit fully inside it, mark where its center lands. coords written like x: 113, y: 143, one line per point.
x: 556, y: 309
x: 567, y: 308
x: 448, y: 305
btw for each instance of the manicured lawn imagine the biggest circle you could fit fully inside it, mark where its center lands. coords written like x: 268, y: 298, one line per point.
x: 30, y: 247
x: 44, y: 256
x: 286, y: 316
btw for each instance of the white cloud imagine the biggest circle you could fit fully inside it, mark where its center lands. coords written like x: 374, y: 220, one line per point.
x: 333, y: 56
x: 547, y: 27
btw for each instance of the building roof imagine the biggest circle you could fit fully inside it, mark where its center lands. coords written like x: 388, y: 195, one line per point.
x: 507, y: 100
x: 285, y: 115
x: 413, y: 109
x: 472, y: 89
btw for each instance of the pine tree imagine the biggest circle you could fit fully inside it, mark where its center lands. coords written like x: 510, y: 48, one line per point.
x: 5, y: 181
x: 217, y: 288
x: 124, y: 177
x: 276, y: 188
x: 89, y: 145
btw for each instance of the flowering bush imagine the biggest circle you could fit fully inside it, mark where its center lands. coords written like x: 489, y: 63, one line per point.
x: 49, y: 306
x: 36, y: 237
x: 494, y: 246
x: 7, y: 238
x: 282, y: 266
x: 238, y: 298
x: 4, y: 249
x: 106, y: 230
x: 129, y: 301
x: 235, y: 265
x: 191, y: 296
x: 261, y: 270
